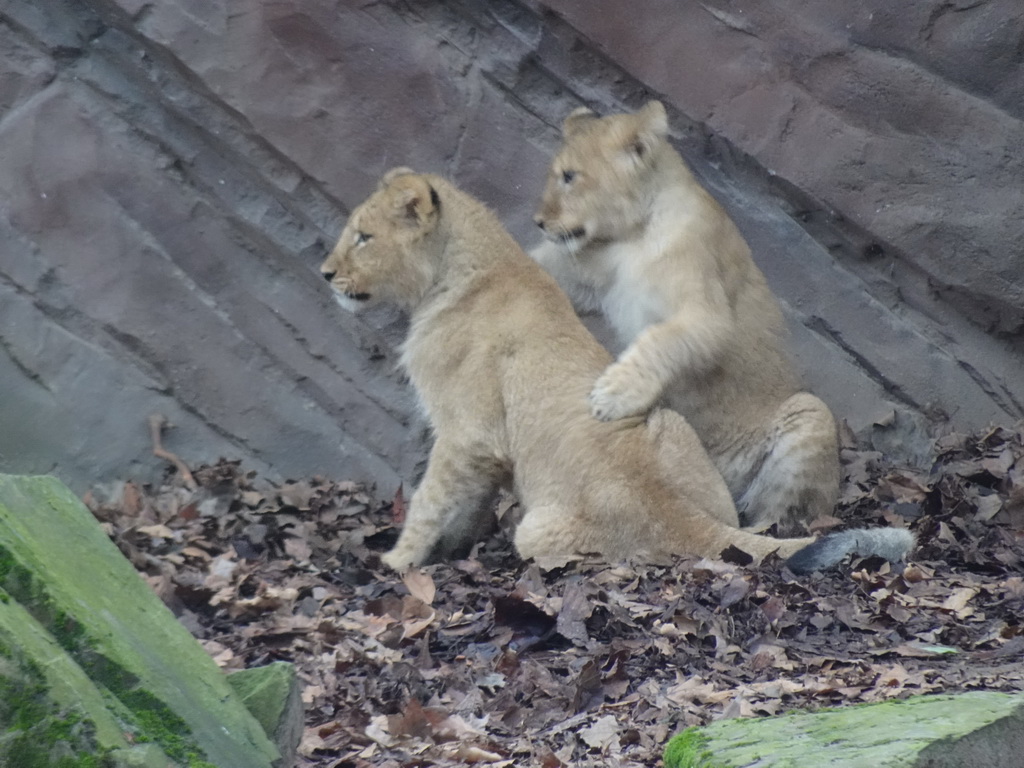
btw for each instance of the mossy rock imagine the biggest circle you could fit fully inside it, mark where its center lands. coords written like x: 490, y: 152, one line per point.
x: 274, y: 697
x: 52, y: 713
x: 949, y: 731
x: 72, y: 602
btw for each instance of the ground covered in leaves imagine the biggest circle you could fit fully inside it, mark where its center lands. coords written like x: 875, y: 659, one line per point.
x: 492, y: 661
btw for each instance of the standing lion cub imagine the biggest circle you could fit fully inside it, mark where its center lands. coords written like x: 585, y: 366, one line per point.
x: 633, y: 234
x: 502, y: 367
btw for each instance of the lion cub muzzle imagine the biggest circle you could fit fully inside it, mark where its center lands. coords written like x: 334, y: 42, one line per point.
x: 560, y: 234
x: 361, y: 297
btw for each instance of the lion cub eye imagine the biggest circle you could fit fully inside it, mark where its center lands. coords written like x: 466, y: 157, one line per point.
x: 568, y: 176
x: 362, y: 237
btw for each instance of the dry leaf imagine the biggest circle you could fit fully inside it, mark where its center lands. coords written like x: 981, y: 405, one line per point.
x: 157, y: 531
x: 957, y: 601
x: 420, y: 584
x: 497, y: 685
x: 603, y: 734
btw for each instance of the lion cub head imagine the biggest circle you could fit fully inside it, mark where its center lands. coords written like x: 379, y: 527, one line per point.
x: 385, y: 252
x: 597, y: 188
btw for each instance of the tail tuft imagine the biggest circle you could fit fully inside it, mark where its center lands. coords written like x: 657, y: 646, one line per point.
x: 891, y: 543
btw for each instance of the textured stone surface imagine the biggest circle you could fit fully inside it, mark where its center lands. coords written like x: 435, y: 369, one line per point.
x: 975, y: 728
x: 103, y: 650
x: 172, y: 173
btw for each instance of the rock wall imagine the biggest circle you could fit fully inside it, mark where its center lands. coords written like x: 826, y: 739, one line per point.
x: 172, y: 173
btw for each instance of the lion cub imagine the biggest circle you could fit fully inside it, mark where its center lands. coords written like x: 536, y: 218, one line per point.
x: 502, y: 367
x: 631, y: 233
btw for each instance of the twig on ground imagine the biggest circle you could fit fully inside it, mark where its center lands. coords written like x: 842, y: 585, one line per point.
x: 157, y: 422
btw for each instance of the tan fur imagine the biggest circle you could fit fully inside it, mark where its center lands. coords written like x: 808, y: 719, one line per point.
x: 503, y: 367
x: 634, y: 235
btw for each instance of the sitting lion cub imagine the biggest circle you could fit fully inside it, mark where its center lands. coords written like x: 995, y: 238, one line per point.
x: 631, y: 233
x: 502, y: 367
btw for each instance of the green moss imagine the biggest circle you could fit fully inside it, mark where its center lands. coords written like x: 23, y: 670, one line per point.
x: 161, y: 725
x: 21, y: 698
x: 688, y: 750
x: 266, y: 692
x: 50, y: 713
x: 55, y: 743
x: 38, y: 737
x: 145, y: 716
x: 18, y: 583
x: 36, y: 732
x: 68, y: 633
x: 7, y: 562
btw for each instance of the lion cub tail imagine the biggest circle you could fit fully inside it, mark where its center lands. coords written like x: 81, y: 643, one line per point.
x: 891, y: 543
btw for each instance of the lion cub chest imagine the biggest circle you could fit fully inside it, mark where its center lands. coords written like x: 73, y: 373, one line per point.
x: 631, y: 301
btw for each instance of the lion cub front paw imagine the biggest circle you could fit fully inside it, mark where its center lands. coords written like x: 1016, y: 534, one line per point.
x: 399, y: 560
x: 620, y: 392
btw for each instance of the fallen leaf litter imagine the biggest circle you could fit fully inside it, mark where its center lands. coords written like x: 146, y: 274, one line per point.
x: 494, y: 662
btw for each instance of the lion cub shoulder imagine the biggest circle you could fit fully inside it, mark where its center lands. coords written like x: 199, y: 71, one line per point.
x: 633, y: 235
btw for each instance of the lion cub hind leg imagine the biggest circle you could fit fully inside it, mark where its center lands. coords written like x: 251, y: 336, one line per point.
x: 798, y: 476
x: 686, y: 467
x: 551, y: 530
x: 446, y: 511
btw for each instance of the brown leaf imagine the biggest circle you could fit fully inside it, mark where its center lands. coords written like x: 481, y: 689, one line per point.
x: 774, y: 608
x: 999, y: 464
x: 189, y: 512
x: 576, y: 609
x: 920, y: 650
x: 251, y: 499
x: 603, y: 734
x: 297, y: 495
x: 736, y: 556
x: 547, y: 759
x: 298, y: 549
x: 737, y: 589
x: 415, y: 721
x: 823, y: 523
x: 528, y: 623
x: 131, y: 500
x: 420, y: 584
x: 156, y: 531
x: 467, y: 753
x: 958, y: 599
x: 988, y: 506
x: 588, y: 685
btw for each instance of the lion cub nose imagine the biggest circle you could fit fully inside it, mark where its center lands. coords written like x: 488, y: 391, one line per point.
x: 539, y: 221
x: 328, y: 276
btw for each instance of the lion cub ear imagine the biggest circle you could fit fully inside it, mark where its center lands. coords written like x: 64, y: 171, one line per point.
x: 577, y: 119
x: 393, y: 174
x: 652, y: 115
x: 651, y: 127
x: 414, y: 200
